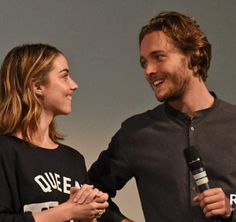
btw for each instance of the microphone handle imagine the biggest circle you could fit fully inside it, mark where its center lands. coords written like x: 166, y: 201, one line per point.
x: 203, y: 187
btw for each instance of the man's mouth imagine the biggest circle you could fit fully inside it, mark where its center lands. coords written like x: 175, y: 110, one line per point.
x: 157, y: 83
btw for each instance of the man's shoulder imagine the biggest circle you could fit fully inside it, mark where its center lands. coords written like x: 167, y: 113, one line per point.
x: 227, y: 107
x: 144, y: 118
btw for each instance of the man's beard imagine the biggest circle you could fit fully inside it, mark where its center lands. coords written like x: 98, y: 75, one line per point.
x: 171, y: 97
x: 177, y: 92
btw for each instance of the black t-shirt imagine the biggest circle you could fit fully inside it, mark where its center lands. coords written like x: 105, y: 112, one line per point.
x: 34, y: 178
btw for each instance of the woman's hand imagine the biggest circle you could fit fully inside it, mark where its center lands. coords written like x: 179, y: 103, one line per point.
x: 90, y: 202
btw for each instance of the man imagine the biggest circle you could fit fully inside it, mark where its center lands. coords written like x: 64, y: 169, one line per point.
x: 175, y: 55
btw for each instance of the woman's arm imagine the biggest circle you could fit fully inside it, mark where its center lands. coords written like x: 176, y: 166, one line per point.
x: 84, y: 204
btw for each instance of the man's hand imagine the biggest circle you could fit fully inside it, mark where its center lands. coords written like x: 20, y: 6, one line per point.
x: 214, y: 203
x: 89, y: 203
x: 87, y: 194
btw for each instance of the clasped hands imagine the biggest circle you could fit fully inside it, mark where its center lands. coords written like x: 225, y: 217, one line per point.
x: 89, y: 203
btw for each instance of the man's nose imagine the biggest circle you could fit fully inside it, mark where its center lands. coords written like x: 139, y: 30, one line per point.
x: 150, y: 69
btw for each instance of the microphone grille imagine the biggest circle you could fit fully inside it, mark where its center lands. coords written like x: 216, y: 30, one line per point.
x: 193, y: 158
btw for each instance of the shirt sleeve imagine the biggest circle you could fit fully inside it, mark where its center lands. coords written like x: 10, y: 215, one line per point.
x: 111, y: 172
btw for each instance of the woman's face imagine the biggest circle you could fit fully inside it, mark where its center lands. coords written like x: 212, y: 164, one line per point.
x: 56, y: 94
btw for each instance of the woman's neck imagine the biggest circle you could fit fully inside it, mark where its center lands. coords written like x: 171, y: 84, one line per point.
x: 41, y: 136
x: 39, y: 139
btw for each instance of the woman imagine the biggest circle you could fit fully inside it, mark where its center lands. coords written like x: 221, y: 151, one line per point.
x: 36, y: 171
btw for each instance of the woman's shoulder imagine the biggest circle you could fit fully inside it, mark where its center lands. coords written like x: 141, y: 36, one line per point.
x: 8, y: 144
x: 70, y: 151
x: 7, y: 140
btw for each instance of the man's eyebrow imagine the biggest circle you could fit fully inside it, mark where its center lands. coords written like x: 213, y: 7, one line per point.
x: 156, y: 51
x: 153, y: 53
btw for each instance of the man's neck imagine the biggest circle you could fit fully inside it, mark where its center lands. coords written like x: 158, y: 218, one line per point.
x: 194, y: 101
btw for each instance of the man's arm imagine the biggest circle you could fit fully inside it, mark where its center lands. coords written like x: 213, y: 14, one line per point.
x: 110, y: 173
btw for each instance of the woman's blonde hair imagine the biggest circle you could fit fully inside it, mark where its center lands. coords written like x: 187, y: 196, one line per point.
x: 20, y: 108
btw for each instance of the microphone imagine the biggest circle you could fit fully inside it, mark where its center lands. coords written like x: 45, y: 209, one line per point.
x: 198, y: 171
x: 196, y: 167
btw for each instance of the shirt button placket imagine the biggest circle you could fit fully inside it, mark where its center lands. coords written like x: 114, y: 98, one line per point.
x: 193, y: 190
x: 191, y: 135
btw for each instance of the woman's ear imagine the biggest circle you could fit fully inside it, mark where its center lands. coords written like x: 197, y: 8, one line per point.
x: 37, y: 89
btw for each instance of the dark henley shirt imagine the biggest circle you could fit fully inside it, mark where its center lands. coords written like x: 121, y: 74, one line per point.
x: 149, y: 147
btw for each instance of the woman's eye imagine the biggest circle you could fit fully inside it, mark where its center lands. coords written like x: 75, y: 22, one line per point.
x: 65, y: 76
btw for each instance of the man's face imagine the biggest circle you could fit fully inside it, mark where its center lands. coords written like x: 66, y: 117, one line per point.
x: 165, y: 67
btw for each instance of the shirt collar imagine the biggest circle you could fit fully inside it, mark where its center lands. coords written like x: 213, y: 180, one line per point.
x: 174, y: 113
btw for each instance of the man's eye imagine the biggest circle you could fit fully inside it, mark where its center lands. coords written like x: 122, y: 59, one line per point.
x: 143, y: 63
x: 159, y: 57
